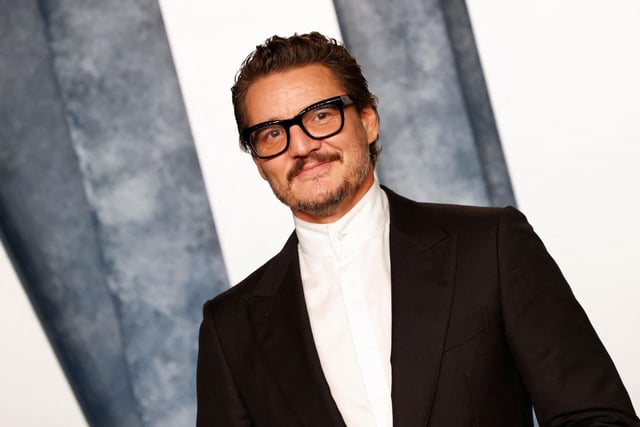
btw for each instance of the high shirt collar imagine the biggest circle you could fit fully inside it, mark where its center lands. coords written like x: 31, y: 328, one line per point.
x: 365, y: 221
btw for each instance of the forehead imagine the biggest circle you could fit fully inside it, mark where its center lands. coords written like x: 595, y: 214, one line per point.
x: 283, y: 94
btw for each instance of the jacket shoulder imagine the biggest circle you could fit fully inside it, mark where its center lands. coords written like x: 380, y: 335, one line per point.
x: 447, y: 216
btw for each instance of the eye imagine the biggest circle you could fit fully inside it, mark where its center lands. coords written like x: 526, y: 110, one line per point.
x: 274, y: 133
x: 269, y: 135
x: 324, y: 114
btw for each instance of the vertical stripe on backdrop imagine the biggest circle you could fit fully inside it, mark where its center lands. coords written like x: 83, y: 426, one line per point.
x: 438, y: 135
x: 48, y: 226
x: 102, y: 203
x: 478, y: 104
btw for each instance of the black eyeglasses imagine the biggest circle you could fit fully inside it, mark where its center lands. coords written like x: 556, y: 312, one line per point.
x: 320, y: 120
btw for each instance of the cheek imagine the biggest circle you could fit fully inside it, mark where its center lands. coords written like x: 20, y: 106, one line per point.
x: 273, y: 169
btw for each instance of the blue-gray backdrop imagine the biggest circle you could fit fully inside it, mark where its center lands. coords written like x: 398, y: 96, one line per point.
x: 103, y: 208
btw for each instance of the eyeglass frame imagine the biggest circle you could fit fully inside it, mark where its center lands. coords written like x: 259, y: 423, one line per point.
x: 340, y: 101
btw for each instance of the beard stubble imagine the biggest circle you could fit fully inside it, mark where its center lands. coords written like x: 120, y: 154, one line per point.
x: 327, y: 203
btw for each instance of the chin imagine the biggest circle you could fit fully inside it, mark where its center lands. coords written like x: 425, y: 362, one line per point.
x: 327, y: 201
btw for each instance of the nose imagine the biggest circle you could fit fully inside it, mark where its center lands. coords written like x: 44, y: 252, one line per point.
x: 301, y: 144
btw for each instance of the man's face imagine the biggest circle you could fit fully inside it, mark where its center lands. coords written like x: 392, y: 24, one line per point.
x: 320, y: 180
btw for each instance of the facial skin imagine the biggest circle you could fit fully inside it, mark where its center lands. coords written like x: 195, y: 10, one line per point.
x: 320, y: 180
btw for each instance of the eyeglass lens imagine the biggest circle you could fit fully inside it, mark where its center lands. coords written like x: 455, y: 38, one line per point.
x: 319, y: 122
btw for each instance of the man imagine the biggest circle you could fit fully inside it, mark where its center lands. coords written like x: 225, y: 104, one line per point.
x: 379, y: 310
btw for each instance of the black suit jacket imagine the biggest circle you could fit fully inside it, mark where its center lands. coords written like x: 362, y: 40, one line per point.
x: 483, y: 324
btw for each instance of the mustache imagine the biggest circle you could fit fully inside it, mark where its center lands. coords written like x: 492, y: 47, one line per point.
x: 314, y: 156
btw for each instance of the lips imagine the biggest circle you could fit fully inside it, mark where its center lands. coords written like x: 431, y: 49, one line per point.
x: 311, y: 162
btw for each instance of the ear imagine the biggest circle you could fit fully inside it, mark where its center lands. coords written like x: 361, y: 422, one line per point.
x: 370, y: 122
x: 259, y: 166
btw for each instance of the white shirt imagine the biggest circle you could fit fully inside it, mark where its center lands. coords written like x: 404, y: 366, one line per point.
x: 346, y: 277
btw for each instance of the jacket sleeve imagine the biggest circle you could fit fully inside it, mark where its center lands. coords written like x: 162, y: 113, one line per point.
x: 570, y: 377
x: 219, y: 402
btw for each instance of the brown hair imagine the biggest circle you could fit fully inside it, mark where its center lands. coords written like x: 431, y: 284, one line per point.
x: 279, y: 54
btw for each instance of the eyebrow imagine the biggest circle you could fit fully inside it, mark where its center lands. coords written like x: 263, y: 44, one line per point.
x: 275, y: 119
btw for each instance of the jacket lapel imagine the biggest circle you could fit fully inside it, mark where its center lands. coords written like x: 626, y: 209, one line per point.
x: 422, y: 276
x: 278, y: 315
